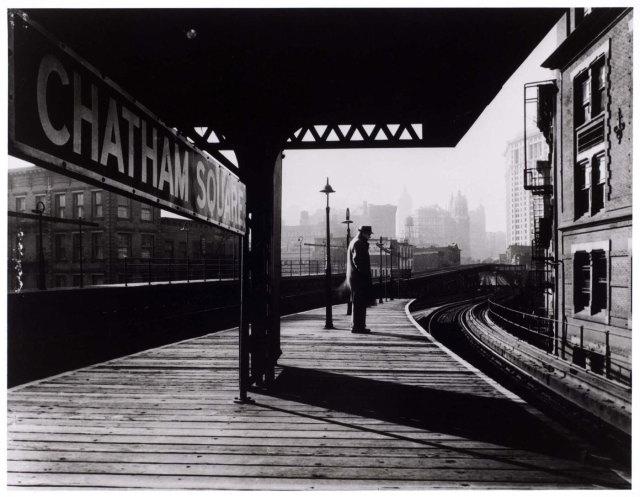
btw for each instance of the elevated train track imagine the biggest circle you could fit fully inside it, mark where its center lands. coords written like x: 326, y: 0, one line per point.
x: 597, y: 408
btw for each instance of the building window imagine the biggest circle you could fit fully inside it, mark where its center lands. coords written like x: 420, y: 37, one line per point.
x: 96, y: 202
x: 77, y: 247
x: 590, y: 281
x: 589, y: 92
x: 183, y: 250
x: 598, y: 174
x: 583, y: 187
x: 168, y: 249
x: 124, y: 245
x: 599, y: 265
x: 590, y: 185
x: 124, y: 207
x: 146, y: 213
x: 146, y: 246
x: 97, y: 246
x: 78, y: 204
x: 60, y: 204
x: 97, y: 279
x: 21, y: 204
x: 60, y: 248
x: 40, y: 198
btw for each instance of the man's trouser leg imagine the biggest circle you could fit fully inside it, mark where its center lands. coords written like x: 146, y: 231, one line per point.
x: 359, y: 316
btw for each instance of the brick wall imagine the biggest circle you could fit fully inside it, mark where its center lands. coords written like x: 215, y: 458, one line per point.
x: 613, y: 224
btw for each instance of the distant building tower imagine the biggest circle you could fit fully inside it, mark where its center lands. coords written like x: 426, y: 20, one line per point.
x: 383, y: 220
x: 520, y: 202
x: 304, y: 218
x: 435, y: 227
x: 460, y: 214
x: 478, y: 233
x: 405, y: 208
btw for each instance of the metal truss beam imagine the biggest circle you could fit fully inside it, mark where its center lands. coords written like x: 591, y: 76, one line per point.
x: 207, y: 139
x: 331, y: 136
x: 323, y: 136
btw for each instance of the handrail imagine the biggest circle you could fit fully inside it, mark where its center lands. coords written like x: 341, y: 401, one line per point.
x: 611, y: 333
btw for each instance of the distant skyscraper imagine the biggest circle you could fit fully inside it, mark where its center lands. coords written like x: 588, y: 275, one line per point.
x: 434, y: 226
x: 405, y: 208
x: 304, y: 218
x: 496, y: 244
x: 383, y: 220
x: 460, y: 213
x: 478, y: 233
x: 520, y: 202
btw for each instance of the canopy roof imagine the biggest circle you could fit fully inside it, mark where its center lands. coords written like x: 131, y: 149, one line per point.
x: 257, y: 75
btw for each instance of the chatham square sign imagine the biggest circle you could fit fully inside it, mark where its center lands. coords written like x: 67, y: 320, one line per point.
x: 64, y: 116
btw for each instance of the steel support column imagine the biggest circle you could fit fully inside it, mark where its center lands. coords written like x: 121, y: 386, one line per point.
x: 261, y: 171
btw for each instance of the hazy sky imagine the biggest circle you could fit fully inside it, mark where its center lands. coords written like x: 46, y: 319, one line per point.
x: 476, y: 166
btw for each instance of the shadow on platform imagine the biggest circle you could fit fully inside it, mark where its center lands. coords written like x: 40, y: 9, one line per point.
x: 497, y: 421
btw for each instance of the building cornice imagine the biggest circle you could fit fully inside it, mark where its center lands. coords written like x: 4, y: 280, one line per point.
x: 584, y: 36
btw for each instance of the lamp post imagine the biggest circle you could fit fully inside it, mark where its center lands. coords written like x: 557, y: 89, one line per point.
x: 328, y: 325
x: 380, y: 301
x: 185, y: 228
x: 300, y: 239
x: 390, y: 270
x: 41, y: 279
x: 348, y: 222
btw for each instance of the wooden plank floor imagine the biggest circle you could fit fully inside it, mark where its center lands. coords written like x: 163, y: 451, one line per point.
x: 390, y: 410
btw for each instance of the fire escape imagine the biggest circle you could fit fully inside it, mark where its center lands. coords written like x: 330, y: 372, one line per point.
x: 538, y: 179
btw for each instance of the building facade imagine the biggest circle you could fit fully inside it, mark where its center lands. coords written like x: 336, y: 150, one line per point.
x: 120, y: 228
x: 593, y: 123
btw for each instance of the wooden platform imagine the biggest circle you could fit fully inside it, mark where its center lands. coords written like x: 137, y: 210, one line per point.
x: 390, y: 410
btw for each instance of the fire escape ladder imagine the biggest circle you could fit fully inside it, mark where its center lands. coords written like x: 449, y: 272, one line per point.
x: 538, y: 177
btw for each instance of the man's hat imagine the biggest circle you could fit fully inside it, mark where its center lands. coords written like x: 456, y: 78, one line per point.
x: 365, y: 229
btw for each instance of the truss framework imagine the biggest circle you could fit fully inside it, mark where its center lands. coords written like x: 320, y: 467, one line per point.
x: 323, y: 136
x: 328, y: 136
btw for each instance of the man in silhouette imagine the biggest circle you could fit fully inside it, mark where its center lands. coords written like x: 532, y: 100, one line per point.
x: 359, y: 278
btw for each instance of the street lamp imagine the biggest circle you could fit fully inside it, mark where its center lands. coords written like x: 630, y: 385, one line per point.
x: 300, y: 239
x: 348, y: 222
x: 41, y: 279
x: 380, y: 269
x: 328, y: 318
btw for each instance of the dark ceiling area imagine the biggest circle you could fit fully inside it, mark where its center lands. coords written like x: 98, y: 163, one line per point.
x: 256, y: 75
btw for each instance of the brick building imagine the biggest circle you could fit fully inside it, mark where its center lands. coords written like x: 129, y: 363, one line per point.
x: 425, y: 259
x: 126, y: 228
x: 591, y: 129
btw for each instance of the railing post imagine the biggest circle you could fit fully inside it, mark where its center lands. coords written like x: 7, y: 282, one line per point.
x: 170, y: 269
x: 188, y: 267
x: 204, y: 265
x: 564, y: 339
x: 125, y: 270
x: 149, y: 270
x: 607, y: 352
